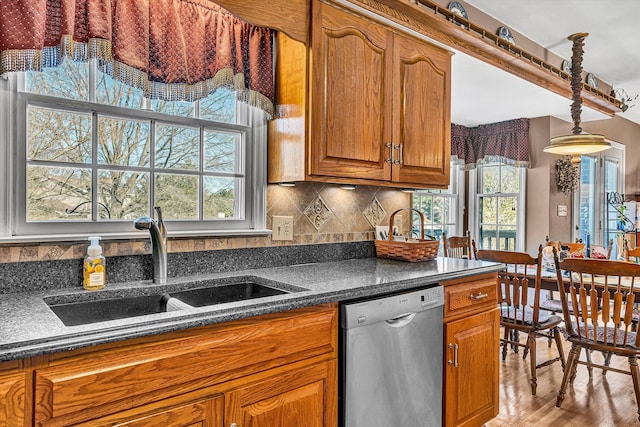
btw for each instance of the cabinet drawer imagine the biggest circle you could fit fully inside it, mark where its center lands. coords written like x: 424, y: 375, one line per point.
x: 120, y: 376
x: 471, y: 296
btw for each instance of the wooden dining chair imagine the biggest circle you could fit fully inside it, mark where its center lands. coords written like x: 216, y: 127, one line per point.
x: 607, y: 330
x: 457, y: 246
x: 519, y: 300
x: 552, y: 303
x: 629, y: 253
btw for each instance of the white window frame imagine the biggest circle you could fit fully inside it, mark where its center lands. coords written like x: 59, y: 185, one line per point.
x: 456, y: 192
x: 13, y: 225
x: 474, y: 206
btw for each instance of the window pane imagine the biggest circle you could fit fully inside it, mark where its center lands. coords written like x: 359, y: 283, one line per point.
x: 59, y: 136
x: 220, y: 151
x: 177, y: 147
x: 507, y: 210
x: 178, y: 195
x: 488, y: 210
x: 122, y: 195
x: 219, y: 198
x: 58, y: 193
x: 507, y: 238
x: 220, y: 106
x: 113, y: 92
x: 587, y: 197
x: 488, y: 237
x: 70, y: 80
x: 509, y: 179
x: 490, y: 179
x: 175, y: 108
x: 123, y: 142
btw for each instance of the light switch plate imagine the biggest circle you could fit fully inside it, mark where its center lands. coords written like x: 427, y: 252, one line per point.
x: 282, y: 228
x: 562, y: 210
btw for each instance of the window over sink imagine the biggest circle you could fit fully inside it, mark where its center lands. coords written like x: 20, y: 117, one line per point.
x: 92, y: 154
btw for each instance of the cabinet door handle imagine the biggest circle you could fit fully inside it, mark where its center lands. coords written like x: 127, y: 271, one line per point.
x: 393, y: 148
x: 454, y: 362
x: 400, y: 147
x: 233, y: 425
x: 478, y: 297
x: 390, y: 146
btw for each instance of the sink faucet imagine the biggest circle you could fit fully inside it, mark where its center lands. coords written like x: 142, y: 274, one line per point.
x: 158, y: 244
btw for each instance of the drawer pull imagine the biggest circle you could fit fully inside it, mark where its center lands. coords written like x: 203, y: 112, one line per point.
x: 233, y: 425
x: 454, y: 362
x: 478, y: 297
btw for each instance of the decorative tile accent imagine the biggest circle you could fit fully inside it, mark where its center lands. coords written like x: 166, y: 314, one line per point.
x: 374, y: 213
x: 318, y: 213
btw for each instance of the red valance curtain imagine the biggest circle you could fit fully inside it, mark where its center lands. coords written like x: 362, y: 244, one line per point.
x: 170, y: 49
x: 506, y: 142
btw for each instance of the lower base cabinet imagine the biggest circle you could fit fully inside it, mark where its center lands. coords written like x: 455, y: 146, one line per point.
x: 272, y: 370
x: 472, y: 339
x: 296, y: 398
x: 205, y: 412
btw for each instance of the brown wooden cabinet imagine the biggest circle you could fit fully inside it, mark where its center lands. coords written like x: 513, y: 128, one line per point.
x: 12, y: 398
x: 377, y: 110
x: 269, y: 368
x: 206, y: 412
x: 472, y: 338
x: 295, y: 398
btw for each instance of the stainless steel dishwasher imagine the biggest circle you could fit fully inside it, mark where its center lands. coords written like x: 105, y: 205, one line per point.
x: 391, y: 372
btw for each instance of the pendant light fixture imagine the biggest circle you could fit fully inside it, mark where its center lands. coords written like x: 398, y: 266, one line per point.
x: 579, y: 142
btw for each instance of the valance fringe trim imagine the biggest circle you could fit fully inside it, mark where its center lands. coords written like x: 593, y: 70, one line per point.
x: 36, y: 60
x: 488, y: 160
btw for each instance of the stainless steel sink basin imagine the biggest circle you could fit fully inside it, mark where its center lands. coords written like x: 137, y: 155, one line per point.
x: 86, y: 308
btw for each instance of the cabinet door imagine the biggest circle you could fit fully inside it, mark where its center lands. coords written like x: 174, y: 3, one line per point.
x: 421, y: 121
x: 201, y: 413
x: 301, y: 397
x: 12, y: 399
x: 471, y: 387
x: 350, y: 108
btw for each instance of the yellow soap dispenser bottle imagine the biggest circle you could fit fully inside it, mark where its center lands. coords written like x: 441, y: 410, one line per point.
x: 94, y: 266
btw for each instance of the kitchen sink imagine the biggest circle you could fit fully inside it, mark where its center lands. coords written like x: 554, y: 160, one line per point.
x: 86, y: 308
x: 211, y: 295
x: 85, y: 312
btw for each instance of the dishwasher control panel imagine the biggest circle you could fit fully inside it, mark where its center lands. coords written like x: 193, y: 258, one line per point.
x: 391, y: 307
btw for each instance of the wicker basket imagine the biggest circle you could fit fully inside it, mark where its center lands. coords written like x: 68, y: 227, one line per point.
x: 414, y: 251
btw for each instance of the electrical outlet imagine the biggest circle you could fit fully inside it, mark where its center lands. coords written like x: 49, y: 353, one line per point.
x: 282, y: 227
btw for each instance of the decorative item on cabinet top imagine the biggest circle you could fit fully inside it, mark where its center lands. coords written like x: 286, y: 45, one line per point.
x: 459, y: 10
x: 505, y: 33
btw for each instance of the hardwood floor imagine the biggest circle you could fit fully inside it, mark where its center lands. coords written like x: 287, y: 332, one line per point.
x: 602, y: 401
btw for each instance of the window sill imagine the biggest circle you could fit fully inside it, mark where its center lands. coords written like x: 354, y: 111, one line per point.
x: 136, y: 235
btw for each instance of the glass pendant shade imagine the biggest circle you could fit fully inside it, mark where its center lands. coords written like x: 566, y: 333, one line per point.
x: 575, y: 145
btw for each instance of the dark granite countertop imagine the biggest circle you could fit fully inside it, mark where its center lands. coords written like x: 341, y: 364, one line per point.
x: 28, y: 327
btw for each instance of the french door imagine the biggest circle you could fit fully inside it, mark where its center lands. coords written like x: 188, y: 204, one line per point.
x: 600, y: 174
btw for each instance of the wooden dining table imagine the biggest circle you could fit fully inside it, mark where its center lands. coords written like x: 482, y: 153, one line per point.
x: 549, y: 281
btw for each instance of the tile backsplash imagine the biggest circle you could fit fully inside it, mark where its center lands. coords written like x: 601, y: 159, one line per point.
x: 322, y: 213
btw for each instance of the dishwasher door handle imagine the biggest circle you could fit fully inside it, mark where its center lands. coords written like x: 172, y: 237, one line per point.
x: 400, y: 321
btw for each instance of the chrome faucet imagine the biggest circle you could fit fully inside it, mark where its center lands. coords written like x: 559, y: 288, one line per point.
x: 158, y: 244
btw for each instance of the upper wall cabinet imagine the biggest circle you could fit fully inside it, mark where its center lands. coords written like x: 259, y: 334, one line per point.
x: 375, y: 109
